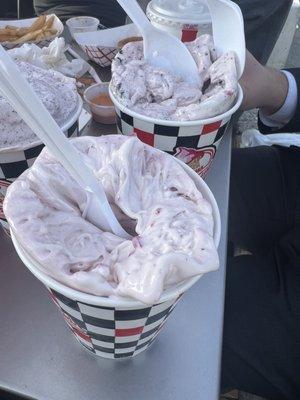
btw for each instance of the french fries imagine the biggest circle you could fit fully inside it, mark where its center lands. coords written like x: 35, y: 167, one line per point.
x: 40, y: 29
x: 38, y: 23
x: 49, y: 22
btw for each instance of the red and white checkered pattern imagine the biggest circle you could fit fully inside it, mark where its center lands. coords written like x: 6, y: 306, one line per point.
x: 113, y: 332
x: 102, y: 56
x: 195, y: 145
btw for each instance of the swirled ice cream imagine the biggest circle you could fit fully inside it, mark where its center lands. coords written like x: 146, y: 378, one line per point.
x: 58, y: 94
x: 154, y: 198
x: 160, y: 94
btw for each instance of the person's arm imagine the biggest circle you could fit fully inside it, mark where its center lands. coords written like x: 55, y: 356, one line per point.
x: 276, y: 94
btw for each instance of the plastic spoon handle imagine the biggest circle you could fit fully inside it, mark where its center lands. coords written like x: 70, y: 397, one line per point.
x: 14, y: 87
x: 136, y: 14
x: 228, y: 29
x: 161, y: 49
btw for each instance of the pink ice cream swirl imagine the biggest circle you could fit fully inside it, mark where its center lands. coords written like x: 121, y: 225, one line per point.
x: 161, y: 95
x: 154, y: 198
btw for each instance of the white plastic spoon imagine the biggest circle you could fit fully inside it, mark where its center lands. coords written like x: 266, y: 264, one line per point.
x: 18, y: 92
x: 228, y: 29
x: 161, y: 49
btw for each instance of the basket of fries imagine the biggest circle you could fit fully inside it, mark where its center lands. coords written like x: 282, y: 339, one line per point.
x: 41, y: 31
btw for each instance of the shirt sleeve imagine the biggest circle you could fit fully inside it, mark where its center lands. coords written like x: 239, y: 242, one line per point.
x: 288, y: 109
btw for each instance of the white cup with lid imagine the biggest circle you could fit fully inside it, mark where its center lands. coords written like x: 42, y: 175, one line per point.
x: 185, y: 19
x: 82, y: 24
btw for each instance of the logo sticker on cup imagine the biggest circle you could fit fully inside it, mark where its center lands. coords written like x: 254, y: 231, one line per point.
x: 189, y: 32
x: 198, y: 159
x: 80, y: 333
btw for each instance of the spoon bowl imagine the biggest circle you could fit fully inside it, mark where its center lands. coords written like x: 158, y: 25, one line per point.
x: 228, y: 30
x: 162, y: 50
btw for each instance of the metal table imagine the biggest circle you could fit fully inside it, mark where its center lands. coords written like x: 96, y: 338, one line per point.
x: 40, y: 358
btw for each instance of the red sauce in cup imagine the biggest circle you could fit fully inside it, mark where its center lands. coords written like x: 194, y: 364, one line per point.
x: 102, y: 99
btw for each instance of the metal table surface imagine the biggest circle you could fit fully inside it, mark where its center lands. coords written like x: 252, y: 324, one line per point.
x: 40, y: 358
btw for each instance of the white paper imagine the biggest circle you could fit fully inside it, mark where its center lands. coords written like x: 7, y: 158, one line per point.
x: 252, y: 138
x: 50, y: 57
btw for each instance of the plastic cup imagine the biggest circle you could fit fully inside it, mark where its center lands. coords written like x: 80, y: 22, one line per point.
x: 193, y: 142
x: 16, y: 159
x: 116, y: 328
x: 102, y: 114
x: 184, y: 19
x: 82, y: 24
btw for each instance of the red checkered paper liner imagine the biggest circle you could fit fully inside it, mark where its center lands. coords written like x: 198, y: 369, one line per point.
x: 102, y: 56
x: 112, y: 332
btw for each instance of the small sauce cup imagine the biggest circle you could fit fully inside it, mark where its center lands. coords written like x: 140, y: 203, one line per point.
x: 100, y: 103
x: 82, y: 24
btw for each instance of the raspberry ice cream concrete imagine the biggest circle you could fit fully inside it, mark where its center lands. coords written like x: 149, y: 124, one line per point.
x: 58, y: 94
x: 160, y: 94
x: 153, y: 197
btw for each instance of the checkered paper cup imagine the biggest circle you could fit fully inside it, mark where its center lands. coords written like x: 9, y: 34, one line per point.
x: 115, y: 328
x: 15, y: 160
x: 193, y: 142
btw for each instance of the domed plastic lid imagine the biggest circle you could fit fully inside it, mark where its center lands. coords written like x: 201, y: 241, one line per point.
x: 189, y: 11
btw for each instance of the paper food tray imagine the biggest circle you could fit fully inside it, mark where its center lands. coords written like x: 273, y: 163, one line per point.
x: 101, y: 46
x: 22, y: 23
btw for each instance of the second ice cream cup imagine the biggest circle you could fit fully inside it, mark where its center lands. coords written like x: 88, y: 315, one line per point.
x: 116, y: 328
x: 193, y: 142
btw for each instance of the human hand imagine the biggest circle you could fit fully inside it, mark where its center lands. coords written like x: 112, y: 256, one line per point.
x: 264, y: 88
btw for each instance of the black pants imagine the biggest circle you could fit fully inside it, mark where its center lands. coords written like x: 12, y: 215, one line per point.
x: 261, y: 346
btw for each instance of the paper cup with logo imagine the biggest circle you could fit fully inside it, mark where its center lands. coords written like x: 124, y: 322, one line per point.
x: 15, y: 160
x: 185, y: 19
x: 193, y: 142
x: 115, y: 328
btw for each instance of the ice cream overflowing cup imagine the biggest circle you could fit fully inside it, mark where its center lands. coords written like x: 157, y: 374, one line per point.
x: 193, y: 142
x: 15, y: 160
x: 116, y: 327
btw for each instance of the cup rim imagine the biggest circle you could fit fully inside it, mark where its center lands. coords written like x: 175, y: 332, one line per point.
x: 94, y: 20
x: 72, y: 119
x: 169, y: 19
x: 96, y: 106
x: 127, y: 303
x: 207, y: 121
